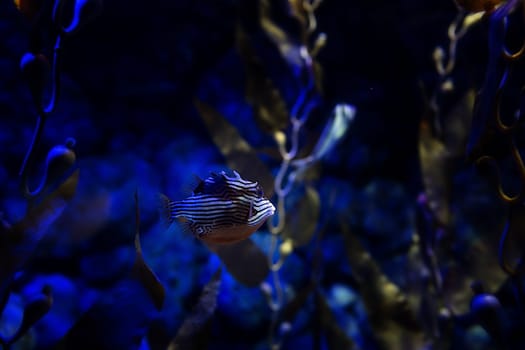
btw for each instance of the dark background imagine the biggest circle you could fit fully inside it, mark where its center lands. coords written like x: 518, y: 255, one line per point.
x: 129, y: 80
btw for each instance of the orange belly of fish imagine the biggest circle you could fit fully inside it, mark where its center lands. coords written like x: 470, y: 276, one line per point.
x: 230, y: 235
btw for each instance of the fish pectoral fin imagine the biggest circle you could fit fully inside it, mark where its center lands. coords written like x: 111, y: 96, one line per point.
x: 250, y: 211
x: 185, y: 224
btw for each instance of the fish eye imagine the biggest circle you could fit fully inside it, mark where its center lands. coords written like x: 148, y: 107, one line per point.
x: 259, y: 191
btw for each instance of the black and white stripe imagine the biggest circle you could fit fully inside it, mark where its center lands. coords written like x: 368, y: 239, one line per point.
x: 230, y: 201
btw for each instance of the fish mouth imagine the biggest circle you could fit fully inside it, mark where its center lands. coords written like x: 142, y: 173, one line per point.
x: 272, y: 209
x: 262, y: 210
x: 266, y: 208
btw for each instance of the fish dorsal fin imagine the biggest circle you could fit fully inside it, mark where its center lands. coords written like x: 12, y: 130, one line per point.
x: 195, y: 186
x: 216, y: 185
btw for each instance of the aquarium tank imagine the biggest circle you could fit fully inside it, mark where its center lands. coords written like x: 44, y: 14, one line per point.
x: 266, y: 174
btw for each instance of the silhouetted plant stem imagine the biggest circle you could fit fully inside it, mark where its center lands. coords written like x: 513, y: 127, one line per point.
x: 55, y: 76
x: 515, y: 272
x: 43, y: 112
x: 501, y: 249
x: 517, y: 288
x: 29, y: 158
x: 317, y: 345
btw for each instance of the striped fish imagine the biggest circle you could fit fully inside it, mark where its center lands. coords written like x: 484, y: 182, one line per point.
x: 222, y: 209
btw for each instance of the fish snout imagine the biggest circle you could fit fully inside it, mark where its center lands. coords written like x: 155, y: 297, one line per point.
x: 271, y: 209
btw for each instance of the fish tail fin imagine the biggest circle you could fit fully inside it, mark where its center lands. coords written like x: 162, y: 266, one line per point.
x: 168, y: 214
x: 166, y: 210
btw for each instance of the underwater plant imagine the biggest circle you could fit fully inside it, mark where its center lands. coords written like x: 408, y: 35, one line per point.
x: 288, y: 231
x: 493, y: 140
x: 58, y: 184
x: 484, y: 144
x: 338, y: 207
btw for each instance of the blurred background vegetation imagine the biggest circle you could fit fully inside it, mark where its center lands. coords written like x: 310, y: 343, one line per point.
x: 373, y: 126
